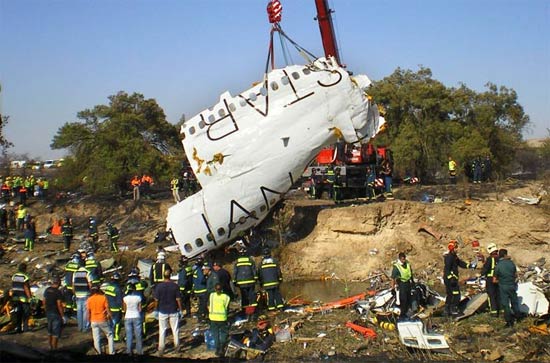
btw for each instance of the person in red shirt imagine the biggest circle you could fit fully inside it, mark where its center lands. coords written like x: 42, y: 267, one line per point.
x: 99, y: 316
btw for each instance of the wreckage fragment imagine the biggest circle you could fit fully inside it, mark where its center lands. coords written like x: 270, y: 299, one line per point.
x: 265, y: 136
x: 412, y: 334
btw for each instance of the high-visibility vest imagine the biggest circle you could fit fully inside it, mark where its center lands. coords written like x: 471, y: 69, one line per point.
x: 218, y: 306
x: 80, y: 282
x: 269, y: 273
x: 70, y: 269
x: 405, y: 273
x: 18, y: 281
x: 114, y: 297
x: 245, y: 272
x: 175, y: 184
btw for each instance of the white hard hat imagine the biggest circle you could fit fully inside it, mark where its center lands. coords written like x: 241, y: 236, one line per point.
x: 161, y: 255
x: 492, y: 248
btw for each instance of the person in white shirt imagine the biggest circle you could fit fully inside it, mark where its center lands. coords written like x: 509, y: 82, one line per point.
x: 132, y: 320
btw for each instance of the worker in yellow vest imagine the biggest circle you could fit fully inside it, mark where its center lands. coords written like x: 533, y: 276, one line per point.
x: 218, y: 305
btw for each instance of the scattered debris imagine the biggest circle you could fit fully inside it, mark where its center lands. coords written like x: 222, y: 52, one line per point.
x: 430, y: 231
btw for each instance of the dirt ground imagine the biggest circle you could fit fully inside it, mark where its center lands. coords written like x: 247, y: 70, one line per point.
x: 351, y: 241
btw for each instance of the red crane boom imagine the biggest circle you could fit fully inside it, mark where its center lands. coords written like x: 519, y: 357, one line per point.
x: 324, y: 18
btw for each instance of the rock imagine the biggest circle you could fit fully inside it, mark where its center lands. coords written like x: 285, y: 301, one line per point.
x: 482, y: 329
x: 494, y: 355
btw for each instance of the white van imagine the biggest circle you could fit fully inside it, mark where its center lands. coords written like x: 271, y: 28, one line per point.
x: 16, y: 164
x: 49, y: 164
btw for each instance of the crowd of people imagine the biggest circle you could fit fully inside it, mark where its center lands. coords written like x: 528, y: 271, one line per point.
x: 477, y: 170
x: 104, y: 304
x: 18, y: 188
x: 498, y: 269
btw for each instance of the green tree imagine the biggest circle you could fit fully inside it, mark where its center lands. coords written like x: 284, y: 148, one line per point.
x: 429, y: 122
x: 112, y: 142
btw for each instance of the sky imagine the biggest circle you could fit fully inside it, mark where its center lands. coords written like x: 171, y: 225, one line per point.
x: 59, y: 57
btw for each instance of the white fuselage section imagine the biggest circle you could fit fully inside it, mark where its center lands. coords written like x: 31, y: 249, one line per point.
x: 248, y: 150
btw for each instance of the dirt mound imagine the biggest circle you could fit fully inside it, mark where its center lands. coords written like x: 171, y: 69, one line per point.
x: 349, y: 241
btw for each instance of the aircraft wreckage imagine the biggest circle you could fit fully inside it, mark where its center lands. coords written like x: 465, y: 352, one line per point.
x: 248, y: 150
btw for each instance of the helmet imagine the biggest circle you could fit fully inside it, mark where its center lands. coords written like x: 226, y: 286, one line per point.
x: 116, y: 276
x: 452, y: 245
x: 90, y: 255
x: 267, y: 252
x: 492, y: 248
x: 133, y: 272
x: 161, y: 255
x: 75, y: 257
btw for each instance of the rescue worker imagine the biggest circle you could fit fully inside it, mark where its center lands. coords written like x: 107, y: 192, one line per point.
x: 245, y: 278
x: 450, y: 277
x: 185, y: 283
x: 262, y: 337
x: 270, y: 277
x: 21, y: 297
x: 369, y: 183
x: 136, y: 183
x: 218, y: 305
x: 30, y: 233
x: 476, y: 170
x: 82, y: 286
x: 113, y: 292
x: 386, y: 172
x: 211, y: 278
x: 112, y: 235
x: 92, y: 232
x: 506, y: 277
x: 68, y: 293
x: 199, y: 289
x: 156, y: 275
x: 175, y: 186
x: 488, y: 271
x: 452, y: 170
x: 330, y: 179
x: 21, y: 214
x: 140, y: 285
x: 338, y: 185
x: 94, y: 268
x: 67, y: 232
x: 402, y: 279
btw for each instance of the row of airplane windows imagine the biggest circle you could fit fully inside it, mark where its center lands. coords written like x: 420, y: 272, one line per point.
x: 252, y: 97
x: 199, y: 242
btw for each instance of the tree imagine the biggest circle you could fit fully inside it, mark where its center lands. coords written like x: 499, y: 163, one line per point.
x: 429, y: 122
x: 112, y: 142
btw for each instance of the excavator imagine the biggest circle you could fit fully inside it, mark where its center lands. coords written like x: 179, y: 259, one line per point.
x: 249, y: 149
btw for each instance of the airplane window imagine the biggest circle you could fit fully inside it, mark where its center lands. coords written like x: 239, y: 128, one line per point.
x: 199, y: 242
x: 232, y: 107
x: 202, y: 124
x: 232, y: 225
x: 262, y: 208
x: 284, y: 80
x: 306, y: 71
x: 274, y: 86
x: 192, y: 130
x: 188, y: 247
x: 242, y: 220
x: 263, y: 91
x: 211, y: 118
x: 183, y: 135
x: 209, y: 237
x: 273, y: 201
x: 253, y: 213
x: 295, y: 75
x: 221, y: 112
x: 221, y: 231
x: 242, y: 102
x: 252, y: 96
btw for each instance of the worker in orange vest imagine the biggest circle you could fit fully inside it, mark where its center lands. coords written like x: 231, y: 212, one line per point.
x: 136, y: 183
